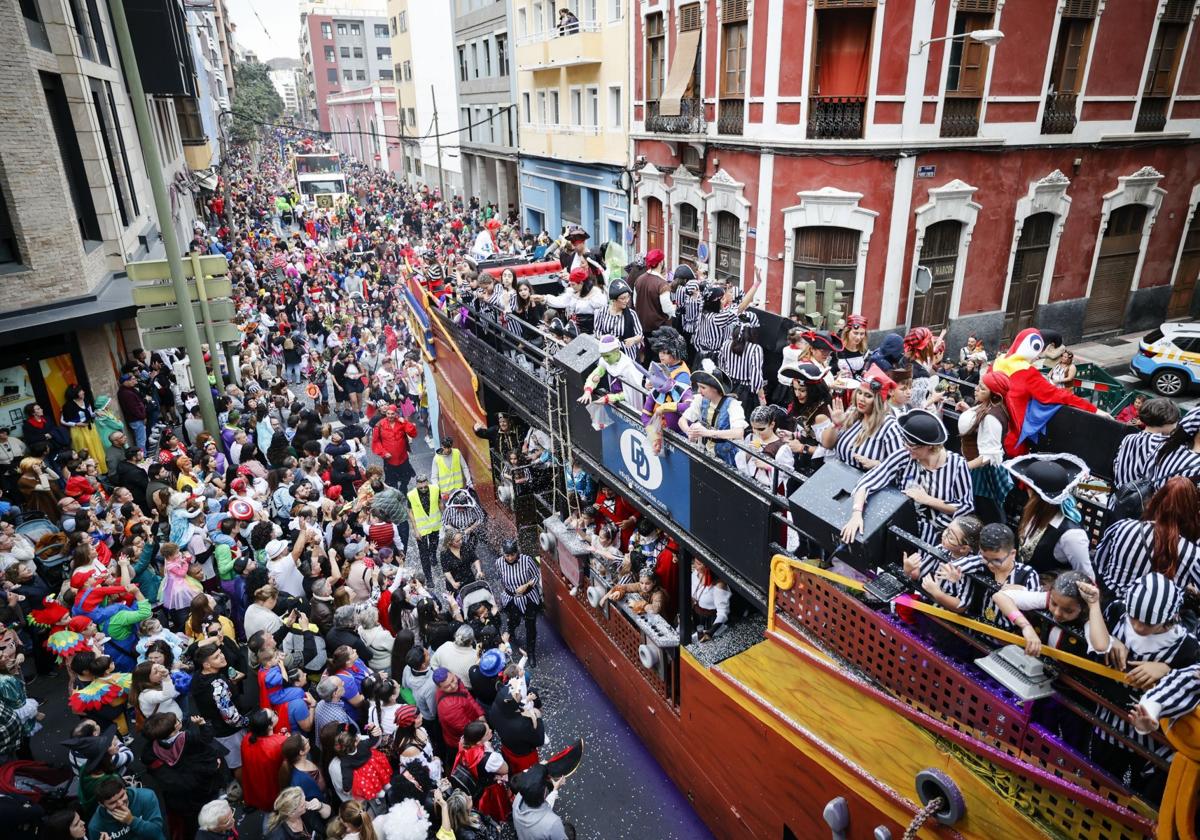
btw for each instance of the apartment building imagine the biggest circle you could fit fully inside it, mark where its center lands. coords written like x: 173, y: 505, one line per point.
x: 343, y: 46
x: 226, y: 44
x: 1036, y: 161
x: 75, y: 203
x: 487, y: 96
x: 211, y: 87
x: 572, y: 86
x: 422, y: 39
x: 368, y: 127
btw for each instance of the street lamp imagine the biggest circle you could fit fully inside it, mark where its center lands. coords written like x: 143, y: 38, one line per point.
x: 987, y: 37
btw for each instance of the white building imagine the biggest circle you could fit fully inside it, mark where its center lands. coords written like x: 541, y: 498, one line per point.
x: 285, y: 85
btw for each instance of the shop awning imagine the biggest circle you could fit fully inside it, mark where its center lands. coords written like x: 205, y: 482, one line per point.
x: 111, y: 301
x: 683, y: 63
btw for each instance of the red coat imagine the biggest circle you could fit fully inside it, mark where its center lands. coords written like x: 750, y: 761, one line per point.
x: 1026, y: 386
x: 260, y: 770
x: 612, y: 507
x: 455, y: 709
x: 390, y: 440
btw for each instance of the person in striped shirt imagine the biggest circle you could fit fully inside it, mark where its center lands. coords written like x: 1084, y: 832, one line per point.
x: 688, y: 300
x: 741, y: 357
x: 719, y: 315
x: 1135, y: 455
x: 965, y: 586
x: 936, y: 479
x: 620, y: 321
x: 1179, y: 454
x: 1166, y: 541
x: 520, y: 595
x: 868, y: 433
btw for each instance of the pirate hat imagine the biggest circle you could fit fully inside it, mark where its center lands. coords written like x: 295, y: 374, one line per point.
x: 923, y: 428
x: 1052, y: 475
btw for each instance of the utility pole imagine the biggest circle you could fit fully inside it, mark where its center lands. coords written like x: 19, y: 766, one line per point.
x: 154, y: 171
x: 438, y: 138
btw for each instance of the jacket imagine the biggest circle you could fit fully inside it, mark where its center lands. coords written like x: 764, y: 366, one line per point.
x: 390, y: 439
x: 455, y: 709
x: 339, y: 636
x: 133, y: 407
x: 147, y: 819
x: 320, y: 613
x: 518, y: 734
x: 196, y: 777
x: 540, y: 823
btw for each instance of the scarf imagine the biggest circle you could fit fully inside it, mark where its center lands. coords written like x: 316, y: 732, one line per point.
x: 169, y: 752
x: 37, y: 422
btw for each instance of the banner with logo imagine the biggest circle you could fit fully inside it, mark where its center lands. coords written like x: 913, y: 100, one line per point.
x: 663, y: 480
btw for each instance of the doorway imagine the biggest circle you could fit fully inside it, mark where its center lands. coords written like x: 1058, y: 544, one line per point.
x: 1119, y: 252
x: 654, y: 224
x: 1029, y: 267
x: 1184, y: 289
x: 939, y: 253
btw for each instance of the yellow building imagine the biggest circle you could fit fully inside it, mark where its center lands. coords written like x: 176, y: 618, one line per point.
x: 573, y: 97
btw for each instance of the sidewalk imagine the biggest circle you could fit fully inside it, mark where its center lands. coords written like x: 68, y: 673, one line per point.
x: 1112, y: 354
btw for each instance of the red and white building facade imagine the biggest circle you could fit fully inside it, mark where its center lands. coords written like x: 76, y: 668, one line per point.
x: 1050, y: 180
x: 366, y: 126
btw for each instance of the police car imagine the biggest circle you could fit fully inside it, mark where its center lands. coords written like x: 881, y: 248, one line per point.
x: 1169, y: 358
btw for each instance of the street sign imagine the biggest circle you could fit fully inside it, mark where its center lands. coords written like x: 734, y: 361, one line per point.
x: 159, y: 293
x: 169, y: 338
x: 927, y: 171
x: 752, y: 233
x: 157, y: 317
x: 210, y: 264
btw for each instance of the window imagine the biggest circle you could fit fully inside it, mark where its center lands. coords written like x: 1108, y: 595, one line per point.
x: 593, y: 106
x: 542, y: 112
x: 576, y: 106
x: 526, y: 107
x: 355, y: 29
x: 571, y: 203
x: 487, y: 58
x: 841, y: 64
x: 491, y: 127
x: 326, y: 31
x: 112, y: 109
x: 968, y: 58
x: 522, y: 22
x: 187, y: 114
x: 345, y: 52
x: 348, y: 75
x: 330, y: 55
x: 1066, y: 75
x: 331, y: 75
x: 360, y: 75
x: 1164, y: 59
x: 72, y: 160
x: 341, y: 27
x: 404, y: 21
x: 77, y: 22
x: 383, y: 53
x: 656, y: 52
x: 393, y: 24
x: 689, y: 17
x: 733, y: 67
x: 554, y: 107
x: 538, y: 18
x: 614, y: 9
x: 9, y: 253
x: 475, y: 60
x: 822, y: 253
x: 502, y: 54
x: 463, y: 73
x: 386, y: 75
x: 408, y: 71
x: 465, y: 117
x: 412, y: 116
x: 939, y: 253
x: 729, y: 248
x: 616, y: 108
x: 381, y: 30
x: 98, y: 32
x: 689, y: 234
x: 358, y: 52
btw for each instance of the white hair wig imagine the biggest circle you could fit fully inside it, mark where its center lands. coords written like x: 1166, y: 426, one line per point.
x: 406, y: 820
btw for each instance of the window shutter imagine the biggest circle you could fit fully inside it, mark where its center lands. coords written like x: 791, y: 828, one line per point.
x: 1178, y: 11
x: 733, y: 11
x: 844, y: 4
x: 689, y: 18
x: 1080, y: 8
x: 984, y: 6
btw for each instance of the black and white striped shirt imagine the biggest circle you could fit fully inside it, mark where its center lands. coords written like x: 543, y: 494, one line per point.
x: 688, y: 302
x: 1182, y: 462
x: 714, y: 328
x: 951, y: 483
x: 1174, y: 695
x: 515, y: 575
x: 1125, y: 555
x: 743, y: 368
x: 461, y: 517
x: 622, y: 326
x: 886, y: 440
x: 975, y: 595
x: 1135, y: 456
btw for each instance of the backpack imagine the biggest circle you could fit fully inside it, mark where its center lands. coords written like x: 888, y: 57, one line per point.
x: 288, y: 344
x: 1129, y: 500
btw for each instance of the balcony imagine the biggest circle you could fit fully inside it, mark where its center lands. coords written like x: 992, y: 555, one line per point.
x: 731, y: 116
x: 836, y: 117
x: 1060, y: 113
x: 689, y: 121
x: 550, y: 50
x: 960, y: 117
x: 1153, y: 114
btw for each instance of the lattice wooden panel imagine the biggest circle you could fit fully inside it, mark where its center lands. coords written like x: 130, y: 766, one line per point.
x: 1080, y: 8
x: 734, y: 11
x: 984, y: 6
x: 844, y: 4
x: 1178, y: 11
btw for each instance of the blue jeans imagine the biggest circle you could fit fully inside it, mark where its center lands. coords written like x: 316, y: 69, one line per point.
x: 293, y: 372
x: 138, y: 427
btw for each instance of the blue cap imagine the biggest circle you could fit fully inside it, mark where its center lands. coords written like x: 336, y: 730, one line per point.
x: 491, y: 663
x: 439, y: 675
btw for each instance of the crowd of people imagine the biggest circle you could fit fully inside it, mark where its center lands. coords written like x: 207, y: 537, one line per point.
x: 283, y: 621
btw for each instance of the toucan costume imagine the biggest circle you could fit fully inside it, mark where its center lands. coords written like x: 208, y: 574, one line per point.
x: 1031, y: 400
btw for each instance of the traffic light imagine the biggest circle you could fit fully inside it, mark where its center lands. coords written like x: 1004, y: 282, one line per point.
x: 805, y: 306
x: 835, y: 302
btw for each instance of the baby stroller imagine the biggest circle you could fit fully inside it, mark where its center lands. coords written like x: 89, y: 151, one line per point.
x: 478, y: 606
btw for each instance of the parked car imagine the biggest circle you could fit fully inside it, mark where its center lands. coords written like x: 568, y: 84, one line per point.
x: 1169, y: 358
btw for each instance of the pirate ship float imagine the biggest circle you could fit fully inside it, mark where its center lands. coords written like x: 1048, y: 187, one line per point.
x: 839, y: 719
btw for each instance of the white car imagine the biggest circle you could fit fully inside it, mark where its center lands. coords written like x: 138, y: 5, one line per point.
x: 1169, y: 358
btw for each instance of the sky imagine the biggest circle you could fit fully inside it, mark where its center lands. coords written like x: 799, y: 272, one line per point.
x: 271, y: 28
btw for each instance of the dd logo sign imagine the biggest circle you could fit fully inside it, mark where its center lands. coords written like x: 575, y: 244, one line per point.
x: 643, y: 465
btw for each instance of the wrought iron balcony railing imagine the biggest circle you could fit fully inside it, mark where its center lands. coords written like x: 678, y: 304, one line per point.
x: 960, y: 117
x: 731, y: 116
x: 1152, y: 116
x: 689, y: 121
x: 1060, y: 113
x: 836, y: 117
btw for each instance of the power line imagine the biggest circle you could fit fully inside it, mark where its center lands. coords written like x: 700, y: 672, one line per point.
x: 404, y: 138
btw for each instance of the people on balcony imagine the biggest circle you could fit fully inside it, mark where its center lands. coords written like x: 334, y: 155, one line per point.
x: 867, y: 433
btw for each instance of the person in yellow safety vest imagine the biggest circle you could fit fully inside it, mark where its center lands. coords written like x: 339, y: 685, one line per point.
x: 450, y: 470
x: 425, y: 505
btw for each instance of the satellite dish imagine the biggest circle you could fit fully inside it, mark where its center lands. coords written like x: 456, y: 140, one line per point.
x: 924, y: 279
x: 702, y: 251
x: 628, y: 236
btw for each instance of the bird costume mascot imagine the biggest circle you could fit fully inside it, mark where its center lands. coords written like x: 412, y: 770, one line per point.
x: 1031, y: 400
